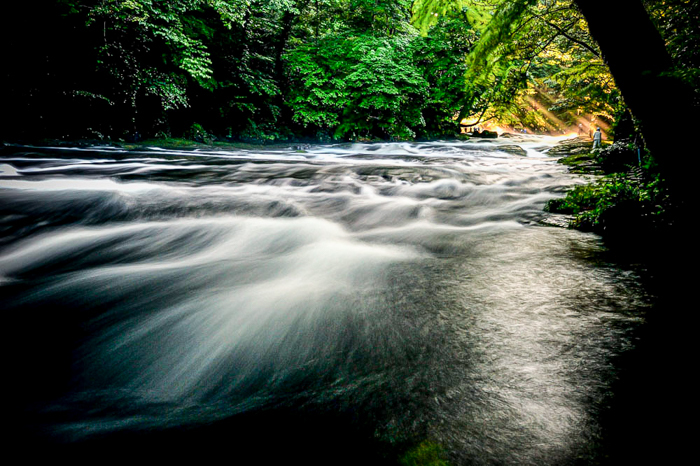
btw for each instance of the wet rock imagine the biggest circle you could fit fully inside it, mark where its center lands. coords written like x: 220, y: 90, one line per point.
x: 580, y: 150
x: 618, y: 157
x: 557, y: 220
x: 584, y: 163
x: 515, y: 150
x: 571, y: 146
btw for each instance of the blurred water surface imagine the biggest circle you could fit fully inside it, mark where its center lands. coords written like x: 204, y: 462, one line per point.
x: 330, y: 304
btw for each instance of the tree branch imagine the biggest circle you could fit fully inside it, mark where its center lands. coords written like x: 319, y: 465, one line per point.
x: 572, y: 39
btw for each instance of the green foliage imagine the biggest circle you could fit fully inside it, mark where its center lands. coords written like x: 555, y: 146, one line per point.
x: 165, y: 22
x: 350, y: 68
x: 361, y: 85
x: 199, y: 134
x: 169, y: 88
x: 617, y: 202
x: 618, y: 157
x: 261, y: 132
x: 441, y: 58
x: 534, y: 64
x: 677, y: 21
x: 387, y: 16
x: 427, y: 12
x: 565, y: 71
x: 487, y: 54
x: 366, y: 77
x: 425, y: 454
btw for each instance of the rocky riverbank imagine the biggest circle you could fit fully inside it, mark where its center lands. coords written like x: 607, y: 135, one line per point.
x: 626, y: 196
x: 578, y: 156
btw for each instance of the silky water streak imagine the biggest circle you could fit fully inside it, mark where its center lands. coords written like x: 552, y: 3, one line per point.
x: 345, y: 298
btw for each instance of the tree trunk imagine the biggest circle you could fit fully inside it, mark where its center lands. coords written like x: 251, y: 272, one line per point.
x: 639, y: 62
x: 652, y: 402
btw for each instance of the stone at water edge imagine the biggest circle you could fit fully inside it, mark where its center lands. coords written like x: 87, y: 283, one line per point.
x: 516, y: 150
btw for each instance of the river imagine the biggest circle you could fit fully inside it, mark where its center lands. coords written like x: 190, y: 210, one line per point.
x: 329, y: 303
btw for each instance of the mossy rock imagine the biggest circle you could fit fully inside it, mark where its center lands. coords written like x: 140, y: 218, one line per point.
x: 585, y: 163
x: 426, y: 453
x: 618, y: 157
x: 571, y: 146
x: 515, y: 150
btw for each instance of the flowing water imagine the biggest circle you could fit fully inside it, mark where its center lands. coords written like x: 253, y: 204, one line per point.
x: 335, y: 303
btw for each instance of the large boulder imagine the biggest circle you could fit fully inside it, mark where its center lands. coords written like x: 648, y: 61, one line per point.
x: 570, y: 146
x: 515, y: 150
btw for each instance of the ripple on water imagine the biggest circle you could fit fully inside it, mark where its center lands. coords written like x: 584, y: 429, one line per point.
x: 405, y: 286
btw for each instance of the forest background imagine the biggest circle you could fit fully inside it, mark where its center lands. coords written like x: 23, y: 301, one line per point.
x: 259, y: 71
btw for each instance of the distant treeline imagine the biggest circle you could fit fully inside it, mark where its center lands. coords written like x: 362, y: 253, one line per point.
x: 274, y: 69
x: 259, y: 69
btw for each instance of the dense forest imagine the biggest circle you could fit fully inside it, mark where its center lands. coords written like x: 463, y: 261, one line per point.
x: 323, y: 69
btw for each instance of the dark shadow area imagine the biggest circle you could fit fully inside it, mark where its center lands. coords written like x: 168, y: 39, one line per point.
x: 650, y: 417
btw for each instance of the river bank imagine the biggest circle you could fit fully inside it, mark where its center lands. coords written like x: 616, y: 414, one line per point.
x: 212, y: 144
x: 164, y: 143
x: 625, y: 199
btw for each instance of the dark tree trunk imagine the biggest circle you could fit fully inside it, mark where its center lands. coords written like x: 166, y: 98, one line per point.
x: 639, y: 62
x: 649, y: 415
